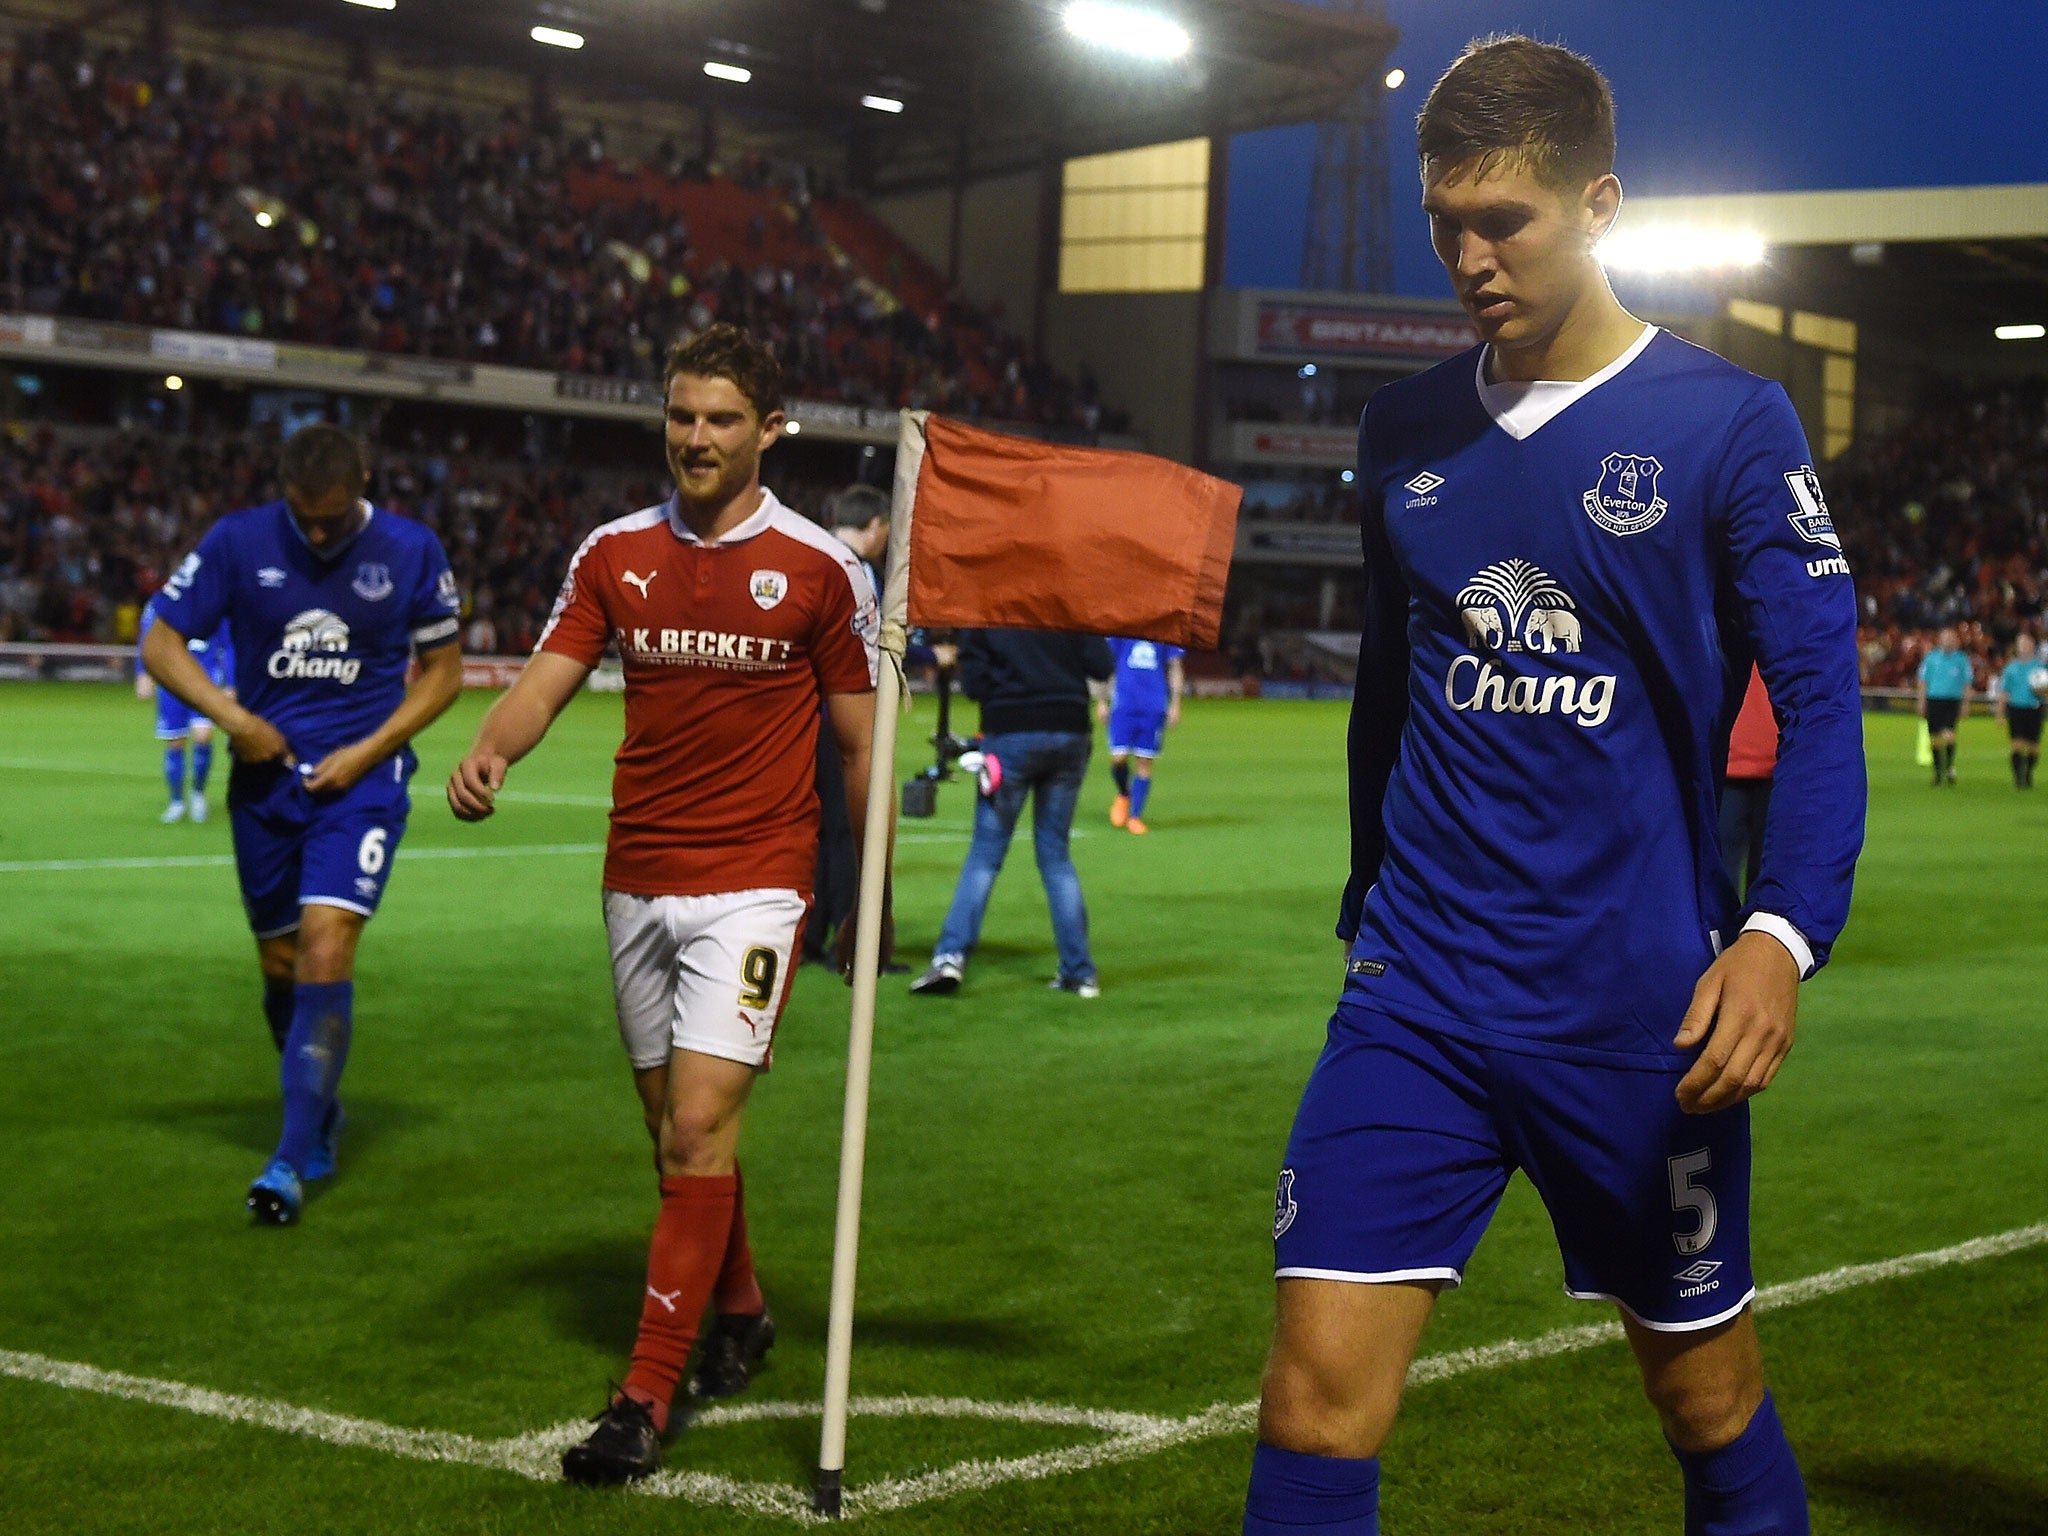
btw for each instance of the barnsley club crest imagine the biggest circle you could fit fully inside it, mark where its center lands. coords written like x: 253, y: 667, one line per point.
x: 1626, y: 500
x: 767, y: 588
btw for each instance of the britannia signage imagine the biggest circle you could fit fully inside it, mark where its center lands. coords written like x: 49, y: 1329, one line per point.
x: 1341, y: 330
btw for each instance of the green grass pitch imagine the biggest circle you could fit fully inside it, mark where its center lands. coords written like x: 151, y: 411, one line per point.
x: 1068, y: 1201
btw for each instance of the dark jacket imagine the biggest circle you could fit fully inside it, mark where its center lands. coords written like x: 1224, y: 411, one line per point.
x: 1028, y: 680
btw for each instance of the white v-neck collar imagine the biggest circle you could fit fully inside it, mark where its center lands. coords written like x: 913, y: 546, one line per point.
x: 1520, y: 408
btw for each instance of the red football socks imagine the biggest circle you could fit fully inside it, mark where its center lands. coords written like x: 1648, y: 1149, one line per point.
x: 737, y: 1291
x: 691, y: 1238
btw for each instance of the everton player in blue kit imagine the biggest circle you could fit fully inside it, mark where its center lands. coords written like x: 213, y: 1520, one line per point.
x: 1144, y: 700
x: 176, y: 723
x: 328, y: 599
x: 1578, y: 536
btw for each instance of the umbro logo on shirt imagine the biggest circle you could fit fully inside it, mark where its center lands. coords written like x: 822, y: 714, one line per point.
x: 1422, y: 485
x: 271, y: 576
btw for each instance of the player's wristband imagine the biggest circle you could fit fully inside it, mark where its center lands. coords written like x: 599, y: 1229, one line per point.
x: 1793, y: 940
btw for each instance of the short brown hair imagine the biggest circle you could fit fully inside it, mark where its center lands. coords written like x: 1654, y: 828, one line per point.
x: 727, y: 352
x: 319, y: 457
x: 1513, y: 96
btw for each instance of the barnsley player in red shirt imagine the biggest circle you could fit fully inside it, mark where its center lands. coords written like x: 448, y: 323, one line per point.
x: 733, y: 616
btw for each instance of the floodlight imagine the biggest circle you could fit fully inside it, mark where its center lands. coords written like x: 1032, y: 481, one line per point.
x: 173, y: 383
x: 1127, y: 29
x: 1396, y: 78
x: 732, y: 72
x: 555, y: 37
x: 1348, y: 476
x: 792, y: 427
x: 2021, y: 332
x: 882, y: 103
x: 1680, y: 248
x: 376, y: 5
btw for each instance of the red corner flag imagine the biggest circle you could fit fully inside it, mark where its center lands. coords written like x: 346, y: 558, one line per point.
x: 1008, y: 532
x: 1003, y: 532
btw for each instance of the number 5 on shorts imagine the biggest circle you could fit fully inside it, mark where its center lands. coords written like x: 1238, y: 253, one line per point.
x: 757, y: 969
x: 1688, y: 1196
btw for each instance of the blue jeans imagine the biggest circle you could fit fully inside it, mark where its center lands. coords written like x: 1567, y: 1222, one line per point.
x: 1052, y: 763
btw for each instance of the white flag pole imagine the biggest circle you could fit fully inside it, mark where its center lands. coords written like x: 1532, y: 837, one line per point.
x: 860, y: 1045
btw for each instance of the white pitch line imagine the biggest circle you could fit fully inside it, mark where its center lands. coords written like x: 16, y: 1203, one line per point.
x: 225, y: 860
x: 1130, y: 1436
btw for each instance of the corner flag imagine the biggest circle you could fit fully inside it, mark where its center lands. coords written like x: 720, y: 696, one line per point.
x: 987, y: 529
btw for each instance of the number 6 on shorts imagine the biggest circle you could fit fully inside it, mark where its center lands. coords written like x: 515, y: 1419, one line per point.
x: 370, y: 853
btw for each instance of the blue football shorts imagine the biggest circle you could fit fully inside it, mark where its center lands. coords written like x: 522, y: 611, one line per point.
x: 1406, y: 1138
x: 294, y: 849
x: 174, y: 717
x: 1139, y: 731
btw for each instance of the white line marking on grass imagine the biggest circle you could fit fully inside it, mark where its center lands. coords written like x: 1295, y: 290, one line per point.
x: 1129, y: 1436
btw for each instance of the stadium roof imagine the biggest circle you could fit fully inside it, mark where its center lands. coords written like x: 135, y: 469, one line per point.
x: 988, y: 86
x: 1931, y: 260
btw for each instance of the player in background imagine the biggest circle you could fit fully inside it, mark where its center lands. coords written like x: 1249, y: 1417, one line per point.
x: 736, y: 620
x: 176, y: 723
x: 1143, y: 702
x: 1746, y: 791
x: 328, y: 599
x: 1578, y: 535
x: 1942, y: 694
x: 2020, y: 688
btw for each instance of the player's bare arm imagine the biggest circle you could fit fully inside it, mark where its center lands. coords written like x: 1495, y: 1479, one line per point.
x: 439, y: 684
x: 1746, y: 1008
x: 512, y: 728
x: 1176, y: 685
x: 165, y: 658
x: 852, y: 716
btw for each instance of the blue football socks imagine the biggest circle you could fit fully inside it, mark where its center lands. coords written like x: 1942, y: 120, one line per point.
x: 1751, y: 1487
x: 202, y: 764
x: 174, y: 769
x: 314, y: 1053
x: 1141, y: 791
x: 278, y: 1002
x: 1296, y: 1495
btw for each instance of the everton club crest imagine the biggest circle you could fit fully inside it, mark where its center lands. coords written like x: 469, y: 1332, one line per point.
x: 1626, y: 500
x: 373, y: 581
x: 1284, y: 1208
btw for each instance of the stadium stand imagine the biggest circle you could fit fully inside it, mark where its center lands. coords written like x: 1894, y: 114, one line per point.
x: 163, y: 192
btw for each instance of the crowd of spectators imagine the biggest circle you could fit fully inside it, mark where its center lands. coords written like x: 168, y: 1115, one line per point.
x: 1945, y: 523
x: 92, y: 524
x: 163, y: 192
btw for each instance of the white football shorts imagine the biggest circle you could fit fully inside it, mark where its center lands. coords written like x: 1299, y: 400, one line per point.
x: 702, y: 973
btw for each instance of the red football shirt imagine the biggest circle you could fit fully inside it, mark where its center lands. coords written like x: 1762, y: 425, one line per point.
x: 1753, y: 740
x: 728, y: 649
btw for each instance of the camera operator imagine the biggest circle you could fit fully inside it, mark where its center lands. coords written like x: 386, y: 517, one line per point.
x: 1036, y: 733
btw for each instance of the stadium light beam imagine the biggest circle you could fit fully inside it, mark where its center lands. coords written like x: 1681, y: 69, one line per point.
x: 376, y: 5
x: 1396, y: 78
x: 1680, y: 248
x: 881, y: 103
x: 2020, y: 332
x: 1127, y: 29
x: 732, y: 72
x: 555, y: 37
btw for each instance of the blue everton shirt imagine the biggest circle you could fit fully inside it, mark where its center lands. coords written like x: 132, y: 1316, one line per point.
x: 1946, y: 674
x: 215, y: 652
x: 1566, y: 587
x: 321, y: 641
x: 1141, y: 687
